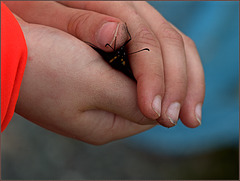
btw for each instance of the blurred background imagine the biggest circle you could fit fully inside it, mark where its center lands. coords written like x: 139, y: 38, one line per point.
x: 207, y: 152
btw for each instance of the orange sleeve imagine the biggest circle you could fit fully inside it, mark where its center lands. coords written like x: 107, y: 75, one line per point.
x: 13, y: 61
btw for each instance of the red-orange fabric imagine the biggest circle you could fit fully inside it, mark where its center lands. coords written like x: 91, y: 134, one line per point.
x: 13, y: 61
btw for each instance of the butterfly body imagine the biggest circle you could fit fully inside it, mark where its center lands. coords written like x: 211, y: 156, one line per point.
x: 118, y: 59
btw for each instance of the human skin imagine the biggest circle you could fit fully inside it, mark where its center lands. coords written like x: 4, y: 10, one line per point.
x: 171, y: 71
x: 69, y: 89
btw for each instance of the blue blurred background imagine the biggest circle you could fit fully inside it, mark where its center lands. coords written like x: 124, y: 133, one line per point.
x: 214, y: 27
x: 207, y: 152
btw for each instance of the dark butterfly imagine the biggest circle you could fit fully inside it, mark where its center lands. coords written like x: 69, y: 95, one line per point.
x: 118, y: 59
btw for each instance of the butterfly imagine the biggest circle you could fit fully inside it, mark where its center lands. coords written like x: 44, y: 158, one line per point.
x: 118, y: 58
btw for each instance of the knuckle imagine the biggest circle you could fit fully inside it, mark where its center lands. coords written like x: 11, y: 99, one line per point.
x: 76, y: 22
x: 146, y: 37
x: 167, y: 32
x: 178, y: 88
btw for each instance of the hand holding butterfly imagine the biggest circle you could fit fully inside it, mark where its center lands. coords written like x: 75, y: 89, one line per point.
x: 170, y: 78
x: 68, y: 88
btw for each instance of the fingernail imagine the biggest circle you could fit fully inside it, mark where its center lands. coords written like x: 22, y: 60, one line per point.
x: 156, y: 105
x: 106, y: 34
x: 173, y: 112
x: 198, y: 113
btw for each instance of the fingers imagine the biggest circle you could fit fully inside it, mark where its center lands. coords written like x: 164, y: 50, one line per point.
x: 191, y: 112
x: 161, y: 73
x: 147, y: 68
x: 175, y: 93
x: 175, y: 73
x: 192, y: 78
x: 89, y: 26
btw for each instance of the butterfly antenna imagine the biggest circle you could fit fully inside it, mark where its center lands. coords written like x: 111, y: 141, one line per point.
x: 90, y: 44
x: 109, y: 46
x: 130, y: 37
x: 115, y: 43
x: 139, y: 51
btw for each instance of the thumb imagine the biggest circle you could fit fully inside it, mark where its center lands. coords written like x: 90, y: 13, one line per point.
x: 95, y: 28
x: 89, y: 26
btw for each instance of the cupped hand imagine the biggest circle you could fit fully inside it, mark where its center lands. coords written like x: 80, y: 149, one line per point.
x: 69, y: 89
x: 170, y: 78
